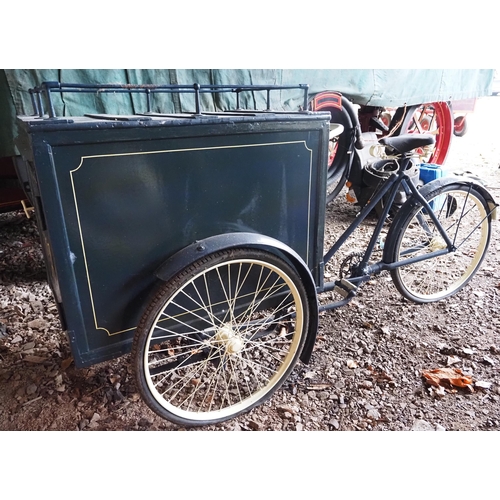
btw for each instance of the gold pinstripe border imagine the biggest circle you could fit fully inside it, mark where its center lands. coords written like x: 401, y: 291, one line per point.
x: 136, y: 153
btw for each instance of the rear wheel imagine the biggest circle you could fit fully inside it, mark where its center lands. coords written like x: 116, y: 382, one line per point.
x: 435, y: 118
x: 221, y: 337
x: 463, y: 213
x: 339, y: 151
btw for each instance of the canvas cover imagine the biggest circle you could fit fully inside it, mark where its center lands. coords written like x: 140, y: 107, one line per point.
x: 375, y: 87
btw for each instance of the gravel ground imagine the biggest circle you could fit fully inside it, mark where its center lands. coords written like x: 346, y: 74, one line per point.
x: 365, y: 372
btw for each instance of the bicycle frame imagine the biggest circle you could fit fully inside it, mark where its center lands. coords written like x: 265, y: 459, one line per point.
x: 347, y: 287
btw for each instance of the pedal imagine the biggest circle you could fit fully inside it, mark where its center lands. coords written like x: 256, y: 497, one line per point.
x: 344, y: 287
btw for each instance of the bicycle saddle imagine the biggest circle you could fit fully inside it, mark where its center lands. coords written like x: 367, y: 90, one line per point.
x: 407, y: 142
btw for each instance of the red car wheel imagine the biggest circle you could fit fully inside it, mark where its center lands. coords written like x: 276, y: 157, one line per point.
x: 434, y: 118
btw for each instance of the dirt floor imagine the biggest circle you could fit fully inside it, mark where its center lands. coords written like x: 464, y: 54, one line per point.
x: 365, y: 372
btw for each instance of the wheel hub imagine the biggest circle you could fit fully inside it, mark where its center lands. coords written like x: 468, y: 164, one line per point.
x: 226, y: 338
x: 436, y: 244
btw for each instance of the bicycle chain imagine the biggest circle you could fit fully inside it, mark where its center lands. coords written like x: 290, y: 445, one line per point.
x: 350, y: 262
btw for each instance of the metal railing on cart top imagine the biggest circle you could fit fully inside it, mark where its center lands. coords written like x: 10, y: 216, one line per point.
x: 43, y: 104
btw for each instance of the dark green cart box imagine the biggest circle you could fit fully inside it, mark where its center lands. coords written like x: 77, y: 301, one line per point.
x: 117, y: 196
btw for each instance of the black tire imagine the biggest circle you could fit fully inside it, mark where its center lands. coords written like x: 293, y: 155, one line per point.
x: 339, y: 164
x: 220, y: 337
x: 339, y: 167
x: 335, y: 182
x: 460, y: 126
x: 463, y: 212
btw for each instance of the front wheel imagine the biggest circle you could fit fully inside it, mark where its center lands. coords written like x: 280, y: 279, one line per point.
x: 463, y: 212
x: 220, y: 337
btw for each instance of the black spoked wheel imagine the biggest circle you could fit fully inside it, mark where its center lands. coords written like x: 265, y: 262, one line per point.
x: 463, y: 212
x: 221, y: 337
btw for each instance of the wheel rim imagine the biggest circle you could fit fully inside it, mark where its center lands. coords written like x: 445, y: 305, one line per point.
x: 434, y: 118
x: 468, y: 229
x: 217, y: 347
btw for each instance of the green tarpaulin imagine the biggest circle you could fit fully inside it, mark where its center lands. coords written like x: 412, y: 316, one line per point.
x: 376, y: 87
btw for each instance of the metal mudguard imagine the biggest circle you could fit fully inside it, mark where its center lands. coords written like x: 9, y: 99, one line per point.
x: 462, y: 180
x: 431, y: 187
x: 199, y: 249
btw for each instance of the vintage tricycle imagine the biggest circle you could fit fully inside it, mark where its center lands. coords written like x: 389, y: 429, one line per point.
x: 195, y: 240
